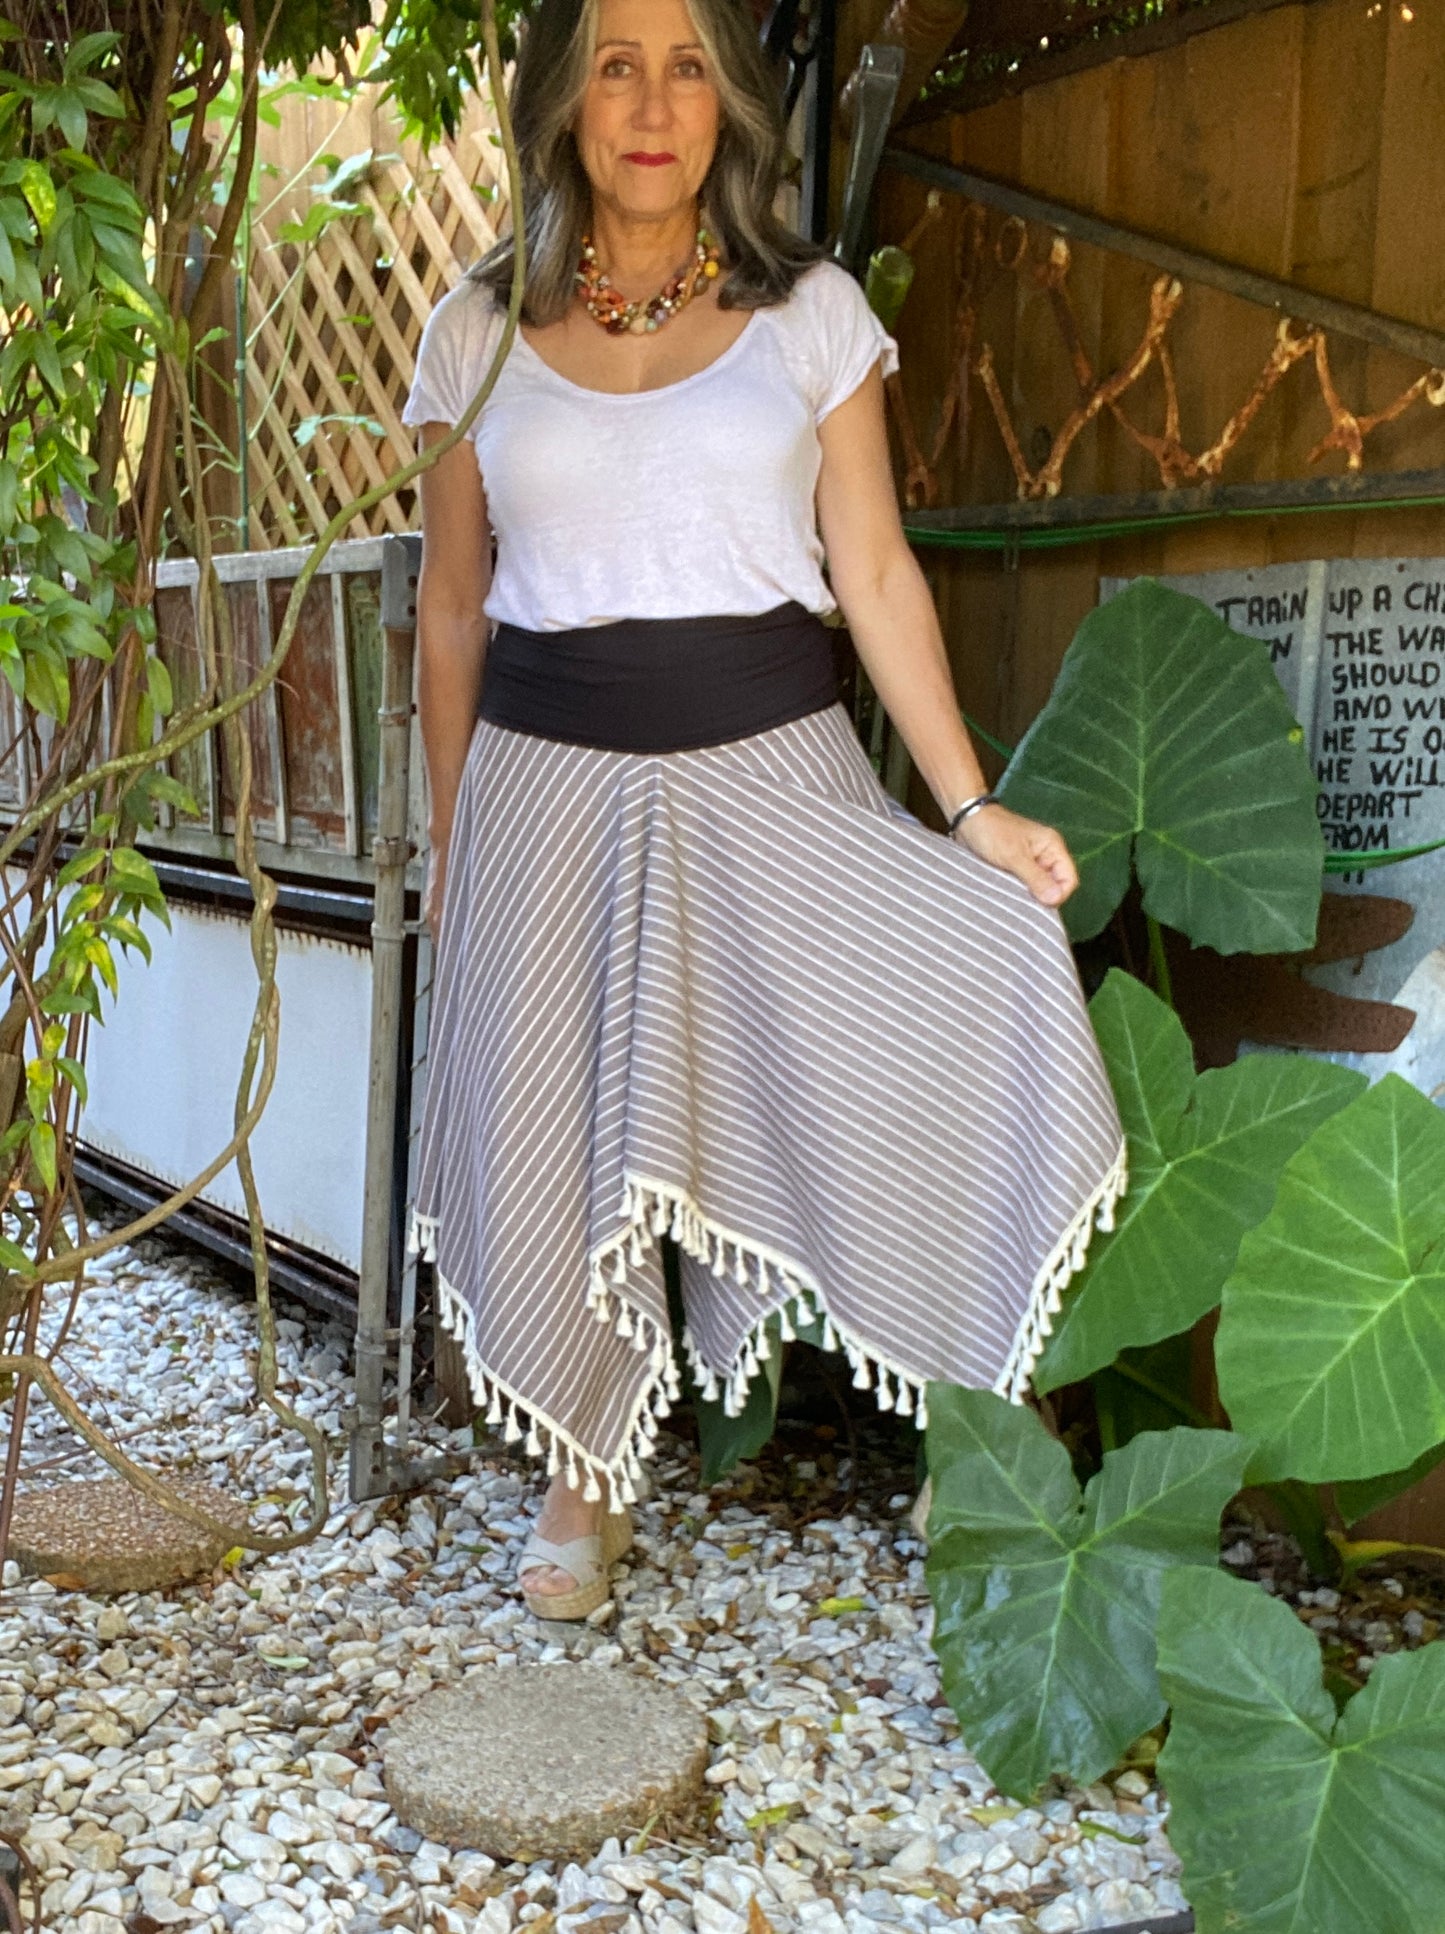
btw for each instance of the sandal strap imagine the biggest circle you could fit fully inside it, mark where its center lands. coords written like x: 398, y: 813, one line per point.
x: 581, y: 1557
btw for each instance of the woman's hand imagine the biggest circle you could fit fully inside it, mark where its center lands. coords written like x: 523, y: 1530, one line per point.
x: 1032, y: 852
x: 436, y: 880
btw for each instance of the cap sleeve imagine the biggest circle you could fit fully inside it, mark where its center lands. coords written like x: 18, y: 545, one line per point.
x: 457, y: 343
x: 846, y: 338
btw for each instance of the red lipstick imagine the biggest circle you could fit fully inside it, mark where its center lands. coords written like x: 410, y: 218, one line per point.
x: 649, y: 160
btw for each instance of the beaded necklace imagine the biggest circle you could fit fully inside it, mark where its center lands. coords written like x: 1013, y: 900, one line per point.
x: 619, y: 316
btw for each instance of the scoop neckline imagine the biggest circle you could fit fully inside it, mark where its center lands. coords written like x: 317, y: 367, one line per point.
x: 660, y: 389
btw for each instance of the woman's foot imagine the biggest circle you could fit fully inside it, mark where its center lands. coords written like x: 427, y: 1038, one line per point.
x: 564, y: 1516
x: 563, y: 1572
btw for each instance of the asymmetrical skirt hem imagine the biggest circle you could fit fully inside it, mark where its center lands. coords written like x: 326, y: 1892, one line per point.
x: 784, y: 1288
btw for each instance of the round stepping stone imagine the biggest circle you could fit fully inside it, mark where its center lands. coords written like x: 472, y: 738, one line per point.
x: 543, y: 1762
x: 102, y: 1535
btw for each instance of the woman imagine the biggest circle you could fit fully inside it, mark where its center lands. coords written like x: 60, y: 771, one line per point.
x: 696, y: 971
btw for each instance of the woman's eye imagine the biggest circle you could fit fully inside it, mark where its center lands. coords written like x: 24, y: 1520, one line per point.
x: 616, y: 67
x: 690, y: 69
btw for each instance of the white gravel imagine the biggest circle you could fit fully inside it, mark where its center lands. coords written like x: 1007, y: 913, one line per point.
x: 209, y: 1759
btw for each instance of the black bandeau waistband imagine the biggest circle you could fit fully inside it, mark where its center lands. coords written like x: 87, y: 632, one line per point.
x: 662, y: 684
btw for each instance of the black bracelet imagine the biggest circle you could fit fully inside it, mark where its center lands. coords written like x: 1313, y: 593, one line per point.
x: 970, y: 806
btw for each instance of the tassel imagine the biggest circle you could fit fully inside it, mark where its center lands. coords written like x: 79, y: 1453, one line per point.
x: 534, y: 1442
x: 592, y: 1490
x: 571, y: 1468
x: 624, y: 1321
x: 513, y: 1432
x: 710, y: 1387
x: 885, y: 1390
x: 413, y: 1237
x: 639, y: 1340
x: 494, y: 1415
x: 619, y: 1268
x: 764, y: 1347
x: 905, y: 1398
x: 628, y: 1489
x: 719, y: 1262
x: 634, y: 1249
x: 921, y: 1414
x: 830, y: 1335
x: 601, y: 1308
x: 676, y: 1225
x: 554, y: 1462
x: 659, y: 1215
x: 740, y: 1273
x: 861, y: 1378
x: 786, y: 1332
x: 764, y: 1286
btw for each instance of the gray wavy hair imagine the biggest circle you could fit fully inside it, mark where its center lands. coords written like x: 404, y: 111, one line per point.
x: 764, y: 256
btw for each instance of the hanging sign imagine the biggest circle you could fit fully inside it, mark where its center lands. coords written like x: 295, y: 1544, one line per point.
x: 1358, y: 645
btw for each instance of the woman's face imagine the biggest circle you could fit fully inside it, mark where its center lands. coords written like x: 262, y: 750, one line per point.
x: 648, y: 123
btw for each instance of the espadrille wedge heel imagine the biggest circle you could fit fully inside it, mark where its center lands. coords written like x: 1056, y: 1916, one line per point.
x: 588, y: 1560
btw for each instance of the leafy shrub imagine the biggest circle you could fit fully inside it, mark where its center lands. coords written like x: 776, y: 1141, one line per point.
x: 1307, y: 1208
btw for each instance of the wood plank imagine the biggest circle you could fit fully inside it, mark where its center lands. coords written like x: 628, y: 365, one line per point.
x: 1409, y: 266
x: 1066, y: 146
x: 1150, y: 38
x: 1336, y: 189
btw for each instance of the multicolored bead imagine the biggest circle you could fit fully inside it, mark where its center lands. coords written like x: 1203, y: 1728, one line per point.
x: 618, y: 316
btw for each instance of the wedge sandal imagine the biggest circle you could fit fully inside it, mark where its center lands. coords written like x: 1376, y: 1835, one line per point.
x: 587, y: 1559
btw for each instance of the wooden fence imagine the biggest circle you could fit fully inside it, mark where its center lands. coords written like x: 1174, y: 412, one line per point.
x: 1301, y: 143
x: 333, y: 324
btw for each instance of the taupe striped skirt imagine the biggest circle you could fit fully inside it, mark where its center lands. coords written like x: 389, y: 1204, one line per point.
x: 741, y: 996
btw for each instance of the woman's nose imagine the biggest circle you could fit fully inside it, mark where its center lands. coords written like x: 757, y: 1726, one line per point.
x: 653, y: 109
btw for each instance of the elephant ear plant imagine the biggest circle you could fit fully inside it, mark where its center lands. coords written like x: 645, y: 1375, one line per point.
x: 1308, y: 1209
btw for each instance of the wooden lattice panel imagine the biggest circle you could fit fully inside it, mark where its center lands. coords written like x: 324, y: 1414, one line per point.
x: 335, y: 327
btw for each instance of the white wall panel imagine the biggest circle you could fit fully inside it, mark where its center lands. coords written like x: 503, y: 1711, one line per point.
x: 163, y: 1073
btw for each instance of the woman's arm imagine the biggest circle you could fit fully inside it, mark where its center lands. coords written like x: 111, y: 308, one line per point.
x: 451, y: 632
x: 885, y: 599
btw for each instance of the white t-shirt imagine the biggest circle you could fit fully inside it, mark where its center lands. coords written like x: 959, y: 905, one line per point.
x: 694, y: 500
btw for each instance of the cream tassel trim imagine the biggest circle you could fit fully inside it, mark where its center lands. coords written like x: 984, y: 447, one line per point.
x: 791, y: 1293
x: 652, y: 1207
x: 520, y: 1422
x: 1068, y: 1257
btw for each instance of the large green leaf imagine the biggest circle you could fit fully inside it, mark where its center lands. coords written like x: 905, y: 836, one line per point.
x: 1167, y: 739
x: 1205, y: 1153
x: 1288, y: 1819
x: 725, y: 1441
x: 1331, y: 1346
x: 1046, y: 1600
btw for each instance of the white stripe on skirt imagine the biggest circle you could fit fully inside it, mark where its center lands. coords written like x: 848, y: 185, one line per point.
x: 739, y: 995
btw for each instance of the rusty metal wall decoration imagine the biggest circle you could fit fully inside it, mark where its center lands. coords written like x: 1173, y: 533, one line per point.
x: 988, y: 249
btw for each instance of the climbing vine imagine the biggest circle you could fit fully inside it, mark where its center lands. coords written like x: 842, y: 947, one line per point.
x: 127, y: 144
